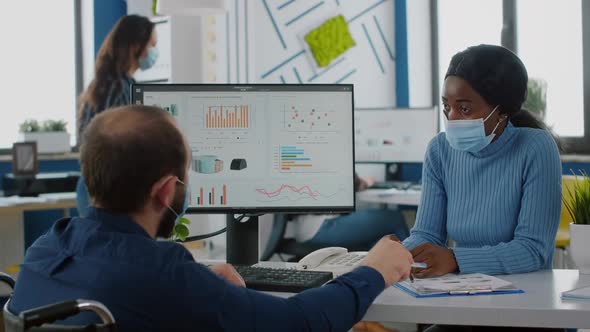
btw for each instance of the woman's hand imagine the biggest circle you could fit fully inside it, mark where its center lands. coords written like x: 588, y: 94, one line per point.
x: 440, y: 260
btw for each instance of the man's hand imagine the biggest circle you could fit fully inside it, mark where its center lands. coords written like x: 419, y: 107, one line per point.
x: 440, y: 260
x: 391, y: 259
x: 365, y: 182
x: 230, y: 274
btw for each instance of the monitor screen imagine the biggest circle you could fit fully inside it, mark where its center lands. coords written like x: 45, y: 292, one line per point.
x: 394, y: 135
x: 263, y: 148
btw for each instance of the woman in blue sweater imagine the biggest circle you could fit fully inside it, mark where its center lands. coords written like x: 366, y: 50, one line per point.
x: 492, y: 181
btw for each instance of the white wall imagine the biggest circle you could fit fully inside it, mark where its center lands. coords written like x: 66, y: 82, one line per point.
x: 419, y: 53
x: 88, y: 41
x: 249, y: 47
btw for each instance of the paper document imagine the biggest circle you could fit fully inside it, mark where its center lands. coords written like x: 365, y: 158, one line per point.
x: 457, y: 284
x: 577, y: 293
x: 19, y: 200
x: 58, y: 197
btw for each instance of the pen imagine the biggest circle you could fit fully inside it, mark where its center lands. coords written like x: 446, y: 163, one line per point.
x: 416, y: 265
x: 419, y: 265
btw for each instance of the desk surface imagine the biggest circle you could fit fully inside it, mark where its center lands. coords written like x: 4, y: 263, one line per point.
x: 390, y: 196
x: 540, y: 305
x: 16, y: 204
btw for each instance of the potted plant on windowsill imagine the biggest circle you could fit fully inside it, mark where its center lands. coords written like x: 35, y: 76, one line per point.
x: 576, y: 199
x: 536, y: 101
x: 51, y: 136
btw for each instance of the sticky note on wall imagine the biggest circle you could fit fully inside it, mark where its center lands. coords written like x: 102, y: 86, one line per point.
x: 330, y: 40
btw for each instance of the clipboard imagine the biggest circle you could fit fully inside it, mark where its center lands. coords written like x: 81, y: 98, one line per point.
x: 581, y: 293
x: 458, y: 285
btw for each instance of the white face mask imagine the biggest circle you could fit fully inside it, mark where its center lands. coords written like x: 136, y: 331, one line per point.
x: 469, y: 135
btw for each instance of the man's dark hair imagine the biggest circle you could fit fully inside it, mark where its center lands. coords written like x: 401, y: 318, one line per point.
x: 128, y: 149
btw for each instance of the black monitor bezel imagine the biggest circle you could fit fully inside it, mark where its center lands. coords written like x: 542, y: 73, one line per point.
x: 137, y: 98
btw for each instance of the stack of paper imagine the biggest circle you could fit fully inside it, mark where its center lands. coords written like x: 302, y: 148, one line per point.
x: 458, y: 284
x: 20, y: 200
x: 58, y: 197
x: 577, y: 293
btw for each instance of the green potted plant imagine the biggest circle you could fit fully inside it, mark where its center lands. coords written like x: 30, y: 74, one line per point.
x: 180, y: 231
x: 536, y: 101
x: 51, y: 135
x: 576, y: 199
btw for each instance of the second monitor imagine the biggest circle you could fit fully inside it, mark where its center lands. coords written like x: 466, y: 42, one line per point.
x: 263, y: 148
x: 394, y: 135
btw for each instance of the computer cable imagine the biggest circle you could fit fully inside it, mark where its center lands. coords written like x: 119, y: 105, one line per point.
x: 203, y: 236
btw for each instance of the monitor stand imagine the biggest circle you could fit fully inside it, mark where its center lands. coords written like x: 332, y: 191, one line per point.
x: 242, y: 240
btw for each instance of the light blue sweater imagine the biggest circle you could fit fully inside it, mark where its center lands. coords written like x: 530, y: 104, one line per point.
x: 501, y: 205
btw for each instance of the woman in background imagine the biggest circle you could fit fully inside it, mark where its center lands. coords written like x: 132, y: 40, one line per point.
x: 129, y: 46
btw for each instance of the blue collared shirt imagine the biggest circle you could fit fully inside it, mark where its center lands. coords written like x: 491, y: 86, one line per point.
x: 156, y: 285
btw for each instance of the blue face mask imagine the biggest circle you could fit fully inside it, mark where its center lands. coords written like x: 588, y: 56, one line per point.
x: 469, y: 135
x: 187, y: 195
x: 149, y: 59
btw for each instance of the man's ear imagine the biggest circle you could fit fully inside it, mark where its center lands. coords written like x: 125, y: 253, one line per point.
x: 163, y: 190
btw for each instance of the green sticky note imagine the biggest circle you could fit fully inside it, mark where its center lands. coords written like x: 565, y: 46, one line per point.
x: 330, y: 40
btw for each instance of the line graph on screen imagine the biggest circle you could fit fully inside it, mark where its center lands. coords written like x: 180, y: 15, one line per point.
x: 293, y: 193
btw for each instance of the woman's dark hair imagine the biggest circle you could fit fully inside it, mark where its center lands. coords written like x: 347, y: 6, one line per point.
x: 114, y: 59
x: 499, y: 77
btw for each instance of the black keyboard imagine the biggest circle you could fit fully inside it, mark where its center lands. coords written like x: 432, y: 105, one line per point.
x: 282, y: 280
x: 401, y: 185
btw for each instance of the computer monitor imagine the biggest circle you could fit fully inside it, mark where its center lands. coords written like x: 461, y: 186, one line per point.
x: 261, y: 149
x: 394, y: 135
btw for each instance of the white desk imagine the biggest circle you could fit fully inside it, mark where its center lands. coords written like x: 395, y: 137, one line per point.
x: 12, y: 235
x: 390, y: 196
x: 539, y: 306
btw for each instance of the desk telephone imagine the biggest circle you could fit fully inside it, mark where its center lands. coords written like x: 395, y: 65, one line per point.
x: 333, y: 259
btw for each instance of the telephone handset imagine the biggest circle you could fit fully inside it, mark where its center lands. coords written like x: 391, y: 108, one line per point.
x: 333, y: 259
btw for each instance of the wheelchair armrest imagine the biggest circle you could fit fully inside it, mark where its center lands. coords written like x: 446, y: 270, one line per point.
x: 6, y: 278
x: 62, y: 310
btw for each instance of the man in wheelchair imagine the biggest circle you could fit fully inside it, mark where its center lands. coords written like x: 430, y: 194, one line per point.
x: 135, y: 162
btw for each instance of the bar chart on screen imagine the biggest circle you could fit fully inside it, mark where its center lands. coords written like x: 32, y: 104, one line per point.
x: 293, y: 158
x: 227, y: 117
x: 211, y: 195
x: 304, y: 158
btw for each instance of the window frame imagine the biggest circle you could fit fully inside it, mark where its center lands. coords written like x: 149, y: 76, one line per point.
x: 581, y: 145
x: 78, y: 72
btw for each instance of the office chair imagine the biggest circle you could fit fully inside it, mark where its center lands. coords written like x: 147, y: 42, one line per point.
x: 277, y: 243
x: 40, y: 319
x: 562, y: 238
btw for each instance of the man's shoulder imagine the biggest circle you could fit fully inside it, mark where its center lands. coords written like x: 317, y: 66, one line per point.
x: 88, y: 239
